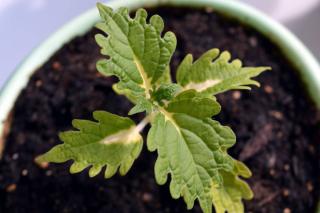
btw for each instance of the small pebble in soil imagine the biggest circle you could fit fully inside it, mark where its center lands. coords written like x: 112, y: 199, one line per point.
x: 38, y: 83
x: 15, y: 156
x: 280, y: 135
x: 253, y: 41
x: 268, y: 89
x: 272, y: 172
x: 11, y: 188
x: 43, y: 165
x: 286, y: 167
x: 49, y: 173
x: 146, y: 197
x: 286, y: 192
x: 236, y: 95
x: 287, y: 210
x: 309, y: 186
x: 56, y: 65
x: 276, y: 114
x: 24, y: 172
x: 272, y: 161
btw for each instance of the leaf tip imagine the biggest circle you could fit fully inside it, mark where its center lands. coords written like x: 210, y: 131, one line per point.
x: 77, y: 167
x: 141, y: 14
x: 214, y: 52
x: 63, y: 135
x: 267, y: 68
x: 40, y: 159
x: 157, y: 22
x: 225, y: 55
x: 76, y: 123
x: 94, y: 171
x: 102, y: 7
x: 110, y: 171
x: 44, y: 158
x: 99, y: 4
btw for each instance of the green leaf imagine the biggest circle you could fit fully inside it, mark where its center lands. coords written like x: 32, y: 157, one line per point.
x: 189, y: 102
x: 192, y: 149
x: 228, y: 198
x: 142, y: 105
x: 165, y: 92
x: 213, y: 73
x: 165, y: 78
x: 137, y: 54
x: 113, y: 142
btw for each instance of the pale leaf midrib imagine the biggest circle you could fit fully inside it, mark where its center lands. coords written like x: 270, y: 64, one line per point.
x: 202, y: 86
x: 245, y: 75
x: 146, y: 82
x: 125, y: 136
x: 101, y: 141
x: 169, y: 118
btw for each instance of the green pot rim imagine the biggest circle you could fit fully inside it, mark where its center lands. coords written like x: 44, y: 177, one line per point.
x: 296, y: 52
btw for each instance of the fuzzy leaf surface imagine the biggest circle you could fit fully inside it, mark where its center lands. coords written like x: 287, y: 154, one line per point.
x: 191, y: 148
x: 142, y: 105
x: 213, y: 73
x: 112, y: 141
x: 165, y: 92
x: 137, y: 53
x: 228, y: 197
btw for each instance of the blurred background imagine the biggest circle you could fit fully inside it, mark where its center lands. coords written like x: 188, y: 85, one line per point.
x: 26, y: 23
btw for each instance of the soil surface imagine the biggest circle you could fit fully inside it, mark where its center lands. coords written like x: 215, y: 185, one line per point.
x: 276, y: 127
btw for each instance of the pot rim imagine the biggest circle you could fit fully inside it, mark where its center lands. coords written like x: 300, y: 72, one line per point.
x: 296, y: 52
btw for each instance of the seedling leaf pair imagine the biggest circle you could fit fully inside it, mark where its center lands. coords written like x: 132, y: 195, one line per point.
x: 191, y: 146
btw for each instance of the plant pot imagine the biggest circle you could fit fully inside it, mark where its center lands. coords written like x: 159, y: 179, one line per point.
x: 294, y: 50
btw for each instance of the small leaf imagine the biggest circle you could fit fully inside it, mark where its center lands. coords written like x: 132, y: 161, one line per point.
x: 192, y: 148
x: 138, y: 55
x: 213, y: 73
x: 189, y: 102
x: 142, y: 105
x: 165, y: 92
x: 112, y: 141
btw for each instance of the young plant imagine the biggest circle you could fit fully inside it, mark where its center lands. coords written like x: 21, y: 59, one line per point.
x: 191, y: 146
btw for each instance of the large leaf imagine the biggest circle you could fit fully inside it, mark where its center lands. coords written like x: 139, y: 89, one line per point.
x: 113, y: 141
x: 213, y: 73
x: 192, y: 148
x: 138, y: 55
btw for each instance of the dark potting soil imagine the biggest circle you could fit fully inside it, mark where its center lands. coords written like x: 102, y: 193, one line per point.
x: 276, y: 127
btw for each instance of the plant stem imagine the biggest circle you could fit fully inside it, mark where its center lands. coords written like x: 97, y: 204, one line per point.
x: 143, y: 123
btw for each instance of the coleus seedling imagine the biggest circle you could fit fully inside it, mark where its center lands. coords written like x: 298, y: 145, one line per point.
x: 191, y: 146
